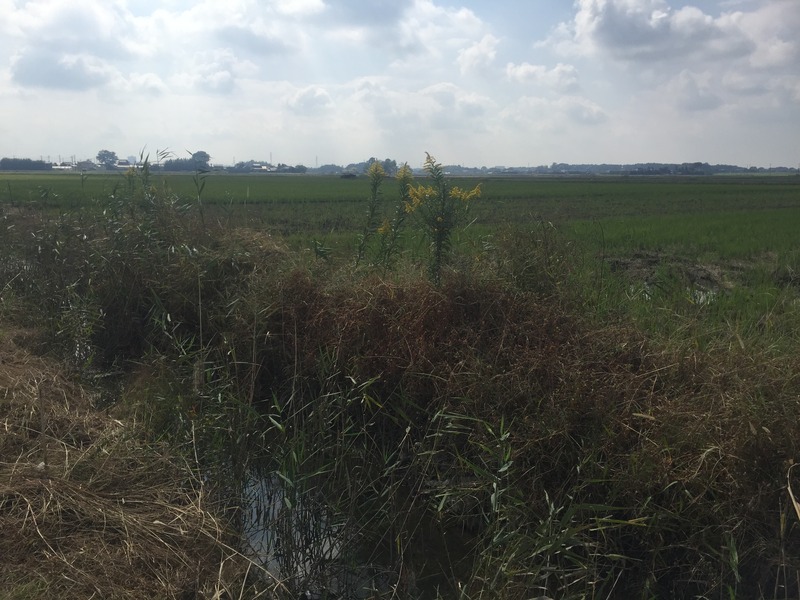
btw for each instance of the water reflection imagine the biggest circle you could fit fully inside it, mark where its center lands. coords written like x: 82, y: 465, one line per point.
x: 301, y: 541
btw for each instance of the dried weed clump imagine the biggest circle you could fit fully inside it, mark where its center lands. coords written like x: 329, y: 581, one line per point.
x: 685, y: 451
x: 88, y: 510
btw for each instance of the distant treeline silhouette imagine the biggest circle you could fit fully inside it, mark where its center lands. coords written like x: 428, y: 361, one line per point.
x: 24, y: 164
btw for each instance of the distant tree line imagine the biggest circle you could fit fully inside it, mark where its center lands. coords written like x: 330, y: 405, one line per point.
x: 389, y: 166
x: 256, y: 166
x: 24, y: 164
x: 201, y: 160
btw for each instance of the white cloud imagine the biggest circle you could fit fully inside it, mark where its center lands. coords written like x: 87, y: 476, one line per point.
x: 433, y: 33
x: 215, y: 71
x: 479, y: 56
x: 441, y: 106
x: 149, y: 83
x: 310, y: 100
x: 453, y: 103
x: 646, y: 79
x: 736, y: 82
x: 795, y: 89
x: 90, y: 27
x: 553, y: 114
x: 694, y: 92
x: 299, y: 7
x: 699, y: 61
x: 67, y: 71
x: 372, y: 13
x: 581, y: 110
x: 253, y: 40
x: 773, y: 29
x: 561, y: 77
x: 649, y: 30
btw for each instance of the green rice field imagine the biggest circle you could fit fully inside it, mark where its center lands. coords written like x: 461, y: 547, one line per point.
x: 731, y: 215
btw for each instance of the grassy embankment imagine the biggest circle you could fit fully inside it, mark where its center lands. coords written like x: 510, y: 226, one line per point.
x: 599, y: 400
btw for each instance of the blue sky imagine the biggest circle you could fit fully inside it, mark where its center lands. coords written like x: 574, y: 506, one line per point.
x: 474, y: 82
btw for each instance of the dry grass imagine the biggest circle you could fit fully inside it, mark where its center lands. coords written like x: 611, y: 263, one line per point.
x: 90, y: 511
x: 688, y: 447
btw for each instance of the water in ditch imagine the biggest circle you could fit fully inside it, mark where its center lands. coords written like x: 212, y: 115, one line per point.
x: 307, y: 547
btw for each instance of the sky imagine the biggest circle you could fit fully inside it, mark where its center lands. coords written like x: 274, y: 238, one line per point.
x: 473, y: 82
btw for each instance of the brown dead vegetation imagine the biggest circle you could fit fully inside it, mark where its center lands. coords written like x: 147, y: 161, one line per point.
x: 693, y: 446
x: 643, y: 268
x: 90, y: 510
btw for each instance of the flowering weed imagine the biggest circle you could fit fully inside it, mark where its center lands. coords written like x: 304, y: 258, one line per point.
x: 439, y: 208
x: 390, y: 230
x: 376, y: 176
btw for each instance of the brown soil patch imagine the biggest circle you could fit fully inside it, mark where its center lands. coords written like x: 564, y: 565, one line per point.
x: 645, y: 267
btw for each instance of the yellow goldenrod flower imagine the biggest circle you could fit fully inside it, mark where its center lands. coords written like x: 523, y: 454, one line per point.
x: 404, y: 173
x: 464, y: 195
x: 418, y: 196
x: 375, y: 170
x: 385, y: 227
